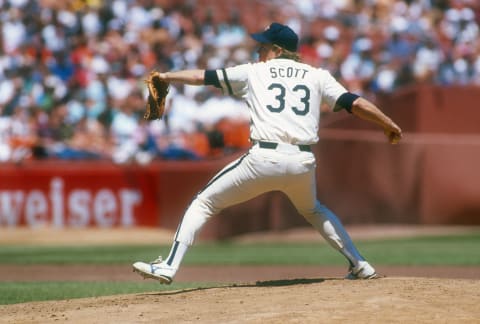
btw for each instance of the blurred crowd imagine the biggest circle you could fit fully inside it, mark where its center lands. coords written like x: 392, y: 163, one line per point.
x: 71, y: 72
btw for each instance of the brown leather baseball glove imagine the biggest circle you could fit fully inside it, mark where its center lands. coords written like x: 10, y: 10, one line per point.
x: 157, y: 92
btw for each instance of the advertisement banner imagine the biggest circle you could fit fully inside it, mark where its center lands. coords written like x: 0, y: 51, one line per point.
x: 76, y: 194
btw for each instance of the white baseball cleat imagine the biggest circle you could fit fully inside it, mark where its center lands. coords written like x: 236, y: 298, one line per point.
x: 158, y: 270
x: 363, y: 270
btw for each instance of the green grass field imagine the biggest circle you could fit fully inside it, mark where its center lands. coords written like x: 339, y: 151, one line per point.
x: 429, y: 250
x: 460, y: 250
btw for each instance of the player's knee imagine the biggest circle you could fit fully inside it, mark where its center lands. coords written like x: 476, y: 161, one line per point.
x: 204, y: 206
x: 316, y: 215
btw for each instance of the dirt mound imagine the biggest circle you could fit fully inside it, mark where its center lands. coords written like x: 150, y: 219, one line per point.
x: 387, y: 300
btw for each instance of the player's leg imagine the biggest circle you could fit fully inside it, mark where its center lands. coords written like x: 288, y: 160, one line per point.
x: 239, y: 181
x: 335, y: 233
x: 302, y: 193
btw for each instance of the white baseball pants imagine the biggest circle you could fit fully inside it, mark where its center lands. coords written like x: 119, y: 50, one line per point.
x: 284, y: 168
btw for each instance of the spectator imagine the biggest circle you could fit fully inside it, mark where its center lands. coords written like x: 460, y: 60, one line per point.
x: 427, y: 61
x: 76, y: 67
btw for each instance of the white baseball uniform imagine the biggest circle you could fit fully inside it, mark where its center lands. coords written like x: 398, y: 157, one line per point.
x: 284, y: 99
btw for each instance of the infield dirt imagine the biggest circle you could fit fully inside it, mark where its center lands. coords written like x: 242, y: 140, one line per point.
x: 266, y: 294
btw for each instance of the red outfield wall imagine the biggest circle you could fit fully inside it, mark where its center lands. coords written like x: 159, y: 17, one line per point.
x: 432, y: 177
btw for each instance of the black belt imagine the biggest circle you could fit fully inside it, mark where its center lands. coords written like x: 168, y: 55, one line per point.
x: 270, y: 145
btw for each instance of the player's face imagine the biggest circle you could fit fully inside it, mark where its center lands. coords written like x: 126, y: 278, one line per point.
x: 265, y: 52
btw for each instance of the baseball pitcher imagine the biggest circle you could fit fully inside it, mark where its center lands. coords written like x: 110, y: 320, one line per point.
x: 284, y: 97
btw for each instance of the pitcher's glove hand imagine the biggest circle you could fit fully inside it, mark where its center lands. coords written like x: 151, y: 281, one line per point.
x: 157, y: 92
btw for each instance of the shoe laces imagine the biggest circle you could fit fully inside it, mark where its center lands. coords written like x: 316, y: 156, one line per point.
x: 157, y: 260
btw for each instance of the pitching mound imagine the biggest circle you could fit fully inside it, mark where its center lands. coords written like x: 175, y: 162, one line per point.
x: 386, y: 300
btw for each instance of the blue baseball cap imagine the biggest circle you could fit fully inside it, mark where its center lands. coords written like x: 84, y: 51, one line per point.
x: 280, y: 35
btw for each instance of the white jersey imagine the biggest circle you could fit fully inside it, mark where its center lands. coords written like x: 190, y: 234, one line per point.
x: 284, y: 98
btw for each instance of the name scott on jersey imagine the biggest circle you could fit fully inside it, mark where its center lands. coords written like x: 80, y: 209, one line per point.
x: 289, y: 72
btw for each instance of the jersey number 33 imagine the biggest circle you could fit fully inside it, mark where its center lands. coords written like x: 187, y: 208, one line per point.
x: 300, y: 89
